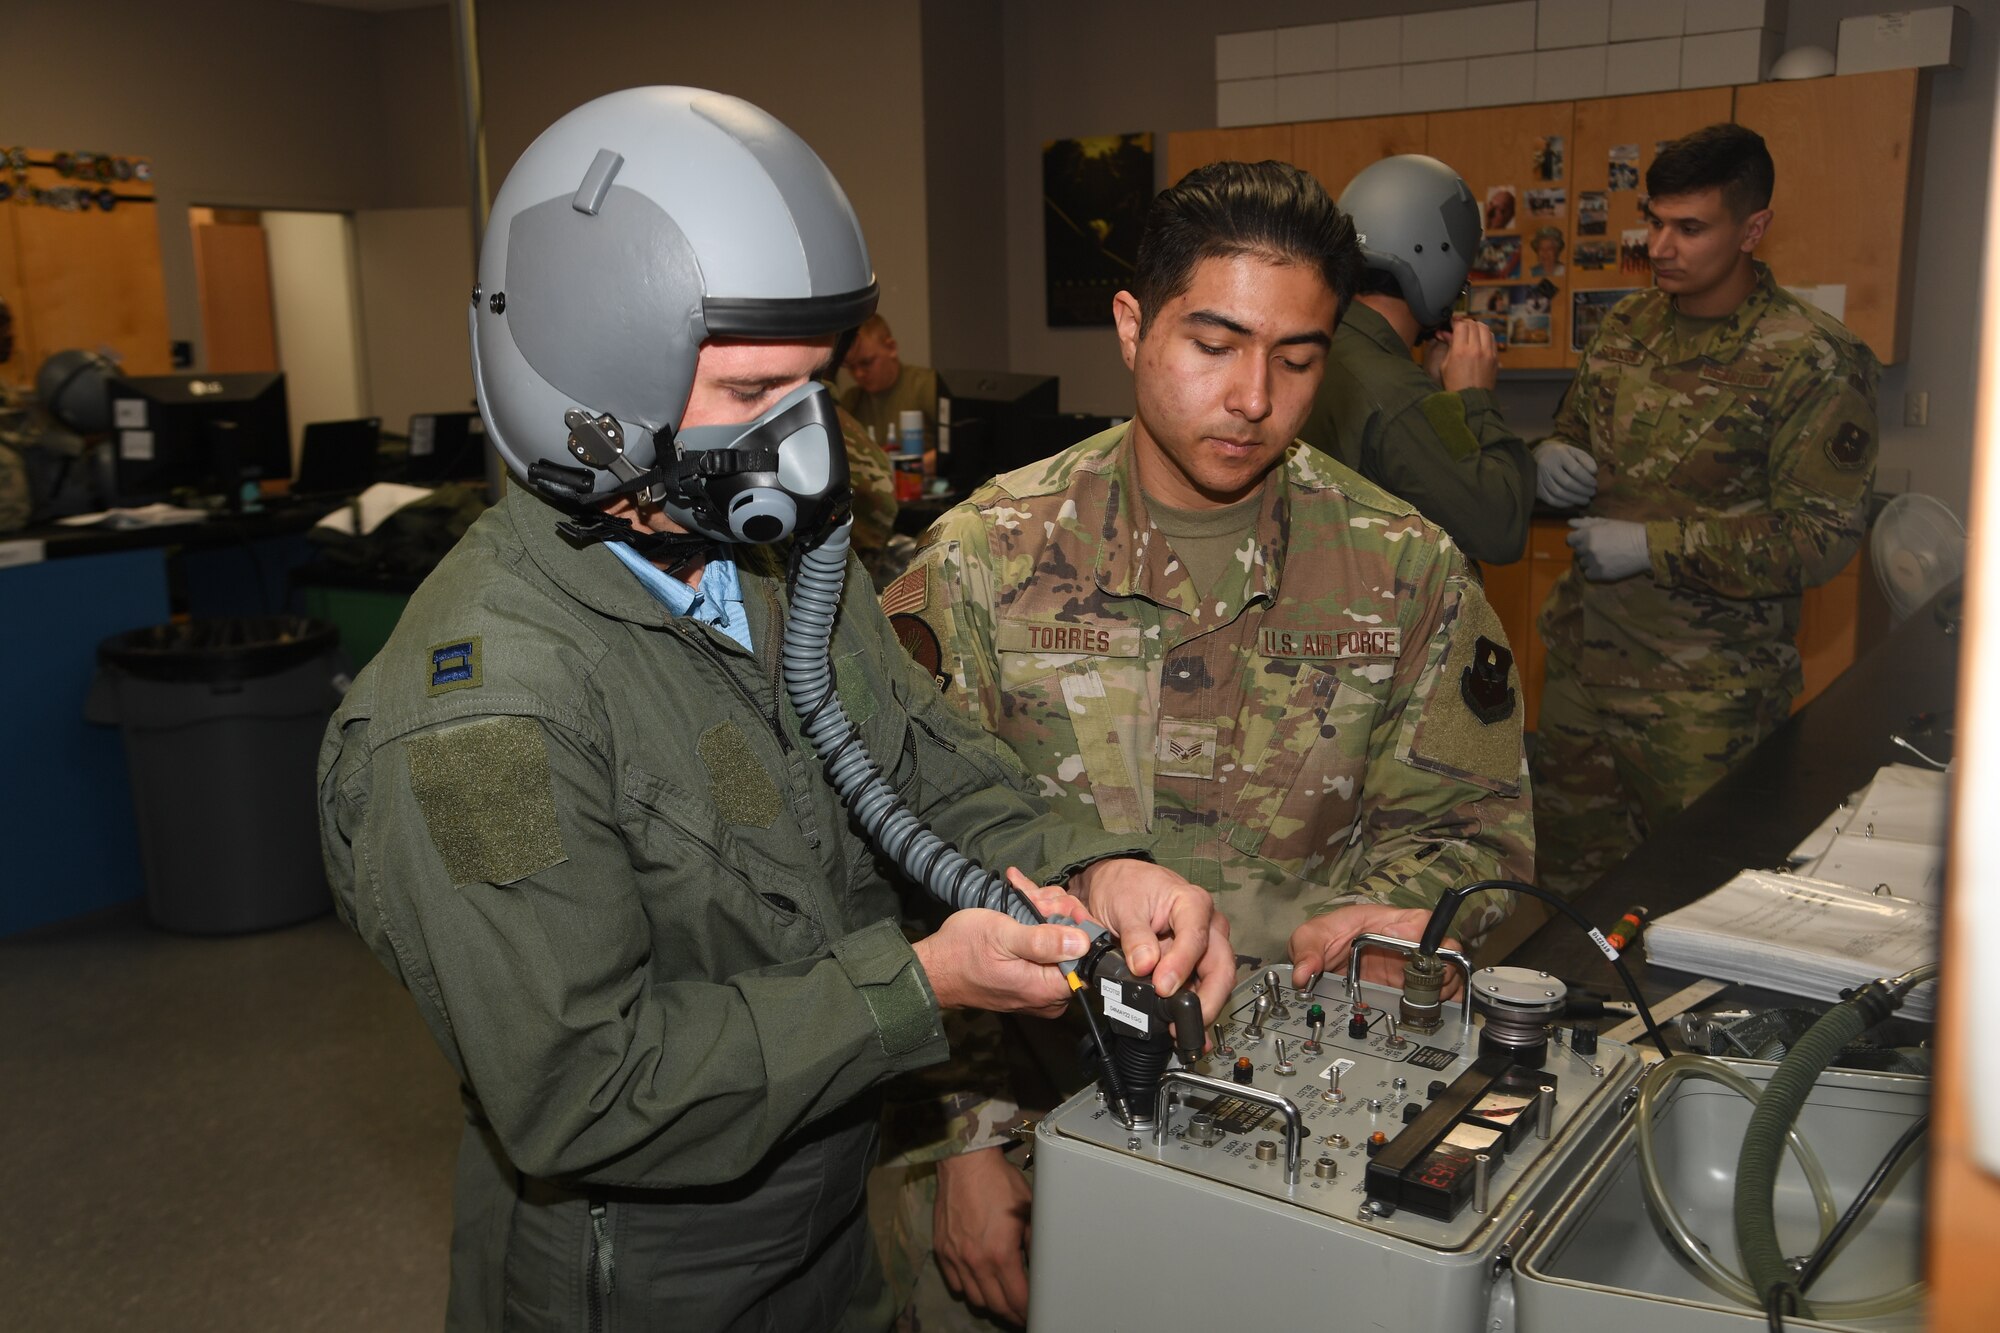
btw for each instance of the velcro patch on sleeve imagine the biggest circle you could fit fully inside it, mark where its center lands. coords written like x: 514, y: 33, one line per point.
x: 1470, y: 726
x: 487, y: 799
x: 737, y: 782
x: 1446, y: 414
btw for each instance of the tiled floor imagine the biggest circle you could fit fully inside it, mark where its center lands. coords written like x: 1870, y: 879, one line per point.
x: 253, y: 1133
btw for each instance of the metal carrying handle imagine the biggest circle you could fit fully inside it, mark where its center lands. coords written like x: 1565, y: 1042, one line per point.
x: 1406, y: 948
x: 1294, y: 1120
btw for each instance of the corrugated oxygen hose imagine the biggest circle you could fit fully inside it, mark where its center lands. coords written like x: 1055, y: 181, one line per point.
x: 1763, y: 1142
x: 885, y: 820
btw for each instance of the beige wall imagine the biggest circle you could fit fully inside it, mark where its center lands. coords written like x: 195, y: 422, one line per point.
x: 965, y: 187
x: 415, y: 270
x: 281, y: 105
x: 238, y: 102
x: 315, y: 305
x: 847, y: 78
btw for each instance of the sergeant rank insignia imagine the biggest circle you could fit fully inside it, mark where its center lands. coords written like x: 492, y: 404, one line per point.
x: 1484, y: 683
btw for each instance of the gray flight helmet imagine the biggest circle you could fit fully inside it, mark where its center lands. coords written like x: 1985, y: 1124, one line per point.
x: 634, y: 228
x: 1419, y: 224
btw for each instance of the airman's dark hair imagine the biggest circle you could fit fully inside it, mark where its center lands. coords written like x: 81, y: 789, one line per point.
x: 1727, y: 157
x: 1269, y: 209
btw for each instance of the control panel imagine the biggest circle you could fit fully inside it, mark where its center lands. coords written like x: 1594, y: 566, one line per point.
x: 1321, y: 1100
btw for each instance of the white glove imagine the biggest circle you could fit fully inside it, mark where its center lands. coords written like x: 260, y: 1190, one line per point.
x: 1608, y: 549
x: 1565, y: 476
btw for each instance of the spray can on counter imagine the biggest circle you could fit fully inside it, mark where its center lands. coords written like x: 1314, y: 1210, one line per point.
x: 910, y: 456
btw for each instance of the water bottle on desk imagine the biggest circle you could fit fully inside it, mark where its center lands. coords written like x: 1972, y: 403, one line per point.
x: 910, y: 456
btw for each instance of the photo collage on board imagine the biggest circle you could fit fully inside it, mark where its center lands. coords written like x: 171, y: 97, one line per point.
x: 1516, y: 276
x: 1611, y: 239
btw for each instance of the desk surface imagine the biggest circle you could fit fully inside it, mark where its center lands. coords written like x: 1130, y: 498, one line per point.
x: 1765, y: 807
x: 60, y: 541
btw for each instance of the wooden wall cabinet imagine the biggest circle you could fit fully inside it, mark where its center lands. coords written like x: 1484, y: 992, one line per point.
x: 85, y: 278
x: 1334, y: 151
x: 1845, y: 205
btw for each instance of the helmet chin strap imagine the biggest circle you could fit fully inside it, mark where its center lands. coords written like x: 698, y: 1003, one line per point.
x: 593, y: 525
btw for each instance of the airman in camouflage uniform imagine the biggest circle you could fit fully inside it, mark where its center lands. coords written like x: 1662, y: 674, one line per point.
x: 885, y: 386
x: 1748, y: 454
x: 1301, y: 696
x: 1738, y: 451
x: 1295, y: 741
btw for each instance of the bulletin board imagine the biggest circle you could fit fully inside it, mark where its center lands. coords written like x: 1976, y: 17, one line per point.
x: 80, y: 259
x: 1517, y: 162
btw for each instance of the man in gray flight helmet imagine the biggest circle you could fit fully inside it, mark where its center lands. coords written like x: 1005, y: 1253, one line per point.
x: 569, y: 808
x: 1432, y: 436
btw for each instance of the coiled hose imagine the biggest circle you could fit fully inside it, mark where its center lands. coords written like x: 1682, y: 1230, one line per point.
x: 819, y: 575
x: 1763, y: 1143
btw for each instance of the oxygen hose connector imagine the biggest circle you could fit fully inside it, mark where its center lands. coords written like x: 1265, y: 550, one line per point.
x: 1422, y: 1006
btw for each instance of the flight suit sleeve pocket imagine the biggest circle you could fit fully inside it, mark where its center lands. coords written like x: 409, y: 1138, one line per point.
x: 487, y: 799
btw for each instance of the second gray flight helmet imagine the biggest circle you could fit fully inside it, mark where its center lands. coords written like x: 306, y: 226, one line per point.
x: 631, y: 230
x: 1419, y: 224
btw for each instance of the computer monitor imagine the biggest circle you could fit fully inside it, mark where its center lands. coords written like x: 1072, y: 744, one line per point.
x: 1054, y: 434
x: 204, y: 433
x: 338, y: 457
x: 992, y: 415
x: 446, y: 446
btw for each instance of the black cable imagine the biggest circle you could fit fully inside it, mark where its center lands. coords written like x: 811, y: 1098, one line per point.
x: 1824, y: 1251
x: 1112, y: 1083
x: 1447, y: 908
x: 1781, y: 1300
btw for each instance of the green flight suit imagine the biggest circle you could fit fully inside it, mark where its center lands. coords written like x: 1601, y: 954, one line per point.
x: 589, y: 839
x: 915, y: 389
x: 1449, y: 454
x: 1748, y: 451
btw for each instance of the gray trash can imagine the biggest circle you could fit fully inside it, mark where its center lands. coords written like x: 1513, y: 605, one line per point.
x: 222, y: 722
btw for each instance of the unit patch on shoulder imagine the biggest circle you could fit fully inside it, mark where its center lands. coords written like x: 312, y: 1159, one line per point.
x: 1847, y: 448
x: 1468, y: 725
x: 920, y: 641
x: 455, y: 665
x: 1484, y: 682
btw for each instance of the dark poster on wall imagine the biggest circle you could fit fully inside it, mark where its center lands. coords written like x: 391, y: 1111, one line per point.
x: 1094, y: 197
